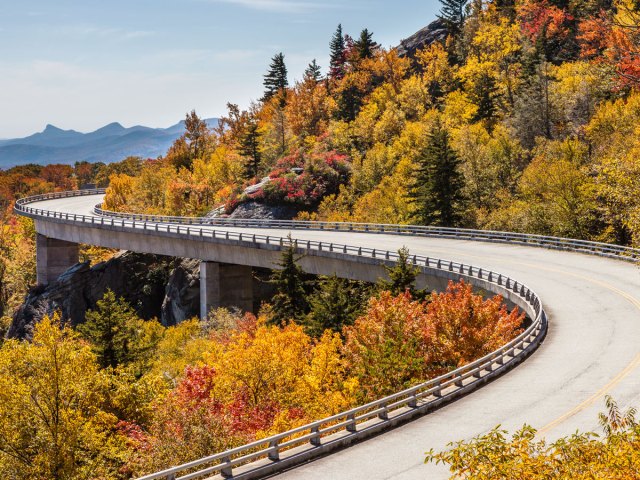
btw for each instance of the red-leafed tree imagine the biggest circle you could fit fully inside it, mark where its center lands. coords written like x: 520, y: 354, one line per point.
x: 613, y: 40
x: 548, y: 27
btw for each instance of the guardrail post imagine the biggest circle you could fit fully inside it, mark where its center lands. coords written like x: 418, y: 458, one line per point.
x: 458, y: 382
x: 274, y: 453
x: 438, y: 392
x: 384, y: 414
x: 413, y: 403
x: 226, y: 471
x: 316, y: 440
x: 351, y: 426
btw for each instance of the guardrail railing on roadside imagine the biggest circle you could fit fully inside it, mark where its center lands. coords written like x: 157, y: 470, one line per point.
x: 595, y: 248
x: 298, y: 445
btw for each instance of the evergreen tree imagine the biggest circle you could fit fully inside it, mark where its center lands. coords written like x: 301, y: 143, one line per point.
x: 250, y: 149
x: 313, y: 71
x: 349, y: 98
x: 437, y: 191
x: 485, y: 97
x: 402, y: 276
x: 365, y: 46
x: 338, y: 55
x: 111, y: 330
x: 275, y: 81
x: 453, y: 13
x: 290, y: 303
x: 336, y: 303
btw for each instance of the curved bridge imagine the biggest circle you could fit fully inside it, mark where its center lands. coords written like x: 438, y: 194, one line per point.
x: 591, y: 348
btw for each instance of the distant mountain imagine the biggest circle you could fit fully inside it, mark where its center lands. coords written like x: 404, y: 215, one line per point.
x: 110, y: 143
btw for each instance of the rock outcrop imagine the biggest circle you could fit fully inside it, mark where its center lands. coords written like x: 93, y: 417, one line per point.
x: 182, y: 293
x: 434, y: 32
x: 156, y: 287
x: 262, y: 211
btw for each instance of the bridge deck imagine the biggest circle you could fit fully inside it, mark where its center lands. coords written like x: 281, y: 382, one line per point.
x: 592, y: 348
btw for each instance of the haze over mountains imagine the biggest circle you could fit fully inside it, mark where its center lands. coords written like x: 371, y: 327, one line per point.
x: 110, y: 143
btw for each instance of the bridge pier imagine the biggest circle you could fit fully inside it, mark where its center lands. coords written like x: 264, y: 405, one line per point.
x: 53, y: 258
x: 225, y: 285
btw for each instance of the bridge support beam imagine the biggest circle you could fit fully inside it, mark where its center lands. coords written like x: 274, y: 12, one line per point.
x: 53, y: 258
x: 225, y: 285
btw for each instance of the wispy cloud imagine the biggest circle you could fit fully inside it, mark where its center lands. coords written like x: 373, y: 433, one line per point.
x: 103, y: 32
x: 236, y: 55
x: 285, y: 6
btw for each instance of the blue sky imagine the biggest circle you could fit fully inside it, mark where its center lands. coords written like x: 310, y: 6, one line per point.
x: 82, y: 64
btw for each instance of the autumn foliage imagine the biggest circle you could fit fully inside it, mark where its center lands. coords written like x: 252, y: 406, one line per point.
x: 499, y: 455
x: 400, y: 341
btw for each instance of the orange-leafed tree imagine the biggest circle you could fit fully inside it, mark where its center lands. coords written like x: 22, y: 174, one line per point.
x: 467, y: 326
x: 388, y: 348
x: 60, y: 175
x: 399, y: 342
x: 613, y: 40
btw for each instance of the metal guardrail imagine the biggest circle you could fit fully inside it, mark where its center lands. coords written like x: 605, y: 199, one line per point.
x: 558, y: 243
x: 300, y: 444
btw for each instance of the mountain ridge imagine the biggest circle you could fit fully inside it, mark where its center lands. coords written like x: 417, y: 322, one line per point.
x: 110, y: 143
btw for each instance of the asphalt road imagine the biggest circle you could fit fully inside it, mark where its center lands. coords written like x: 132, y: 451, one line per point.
x: 592, y: 349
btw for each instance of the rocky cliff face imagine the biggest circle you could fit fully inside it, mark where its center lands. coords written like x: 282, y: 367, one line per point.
x: 434, y: 32
x: 164, y: 288
x: 261, y: 211
x: 157, y: 287
x: 182, y: 293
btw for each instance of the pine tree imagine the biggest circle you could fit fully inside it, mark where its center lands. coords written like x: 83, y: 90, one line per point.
x: 290, y: 303
x: 338, y: 55
x: 336, y: 303
x: 402, y: 276
x: 250, y: 149
x: 365, y: 47
x: 110, y: 329
x: 485, y: 97
x: 453, y: 13
x: 437, y: 191
x: 313, y: 71
x: 275, y: 81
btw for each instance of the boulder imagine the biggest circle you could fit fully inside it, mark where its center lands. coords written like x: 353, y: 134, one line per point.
x: 255, y: 210
x: 434, y: 32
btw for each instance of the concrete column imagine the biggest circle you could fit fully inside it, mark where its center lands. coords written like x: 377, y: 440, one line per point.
x: 225, y: 285
x: 53, y: 258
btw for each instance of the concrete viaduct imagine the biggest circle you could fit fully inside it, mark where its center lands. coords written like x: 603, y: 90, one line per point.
x: 592, y: 345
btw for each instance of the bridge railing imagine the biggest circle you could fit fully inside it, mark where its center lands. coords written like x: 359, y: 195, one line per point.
x: 559, y: 243
x: 295, y: 446
x: 545, y: 241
